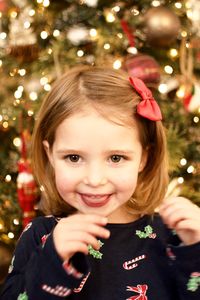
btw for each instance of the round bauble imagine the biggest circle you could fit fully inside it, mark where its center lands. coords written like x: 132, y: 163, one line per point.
x: 144, y: 67
x: 161, y: 26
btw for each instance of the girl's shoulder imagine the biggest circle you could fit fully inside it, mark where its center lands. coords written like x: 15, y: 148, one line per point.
x: 38, y: 227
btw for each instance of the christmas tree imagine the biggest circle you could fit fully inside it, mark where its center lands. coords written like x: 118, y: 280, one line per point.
x: 157, y: 41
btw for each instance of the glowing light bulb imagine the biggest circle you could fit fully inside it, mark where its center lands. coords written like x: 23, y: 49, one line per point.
x: 8, y: 178
x: 162, y: 88
x: 183, y: 161
x: 117, y: 64
x: 180, y: 180
x: 17, y: 142
x: 80, y: 53
x: 106, y: 46
x: 168, y: 69
x: 110, y: 18
x: 11, y: 235
x: 44, y: 35
x: 173, y: 52
x: 190, y: 169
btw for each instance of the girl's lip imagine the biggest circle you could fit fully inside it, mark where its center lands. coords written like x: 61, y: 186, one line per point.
x: 93, y: 200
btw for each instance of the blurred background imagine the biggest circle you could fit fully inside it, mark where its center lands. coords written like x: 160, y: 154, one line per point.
x: 157, y: 41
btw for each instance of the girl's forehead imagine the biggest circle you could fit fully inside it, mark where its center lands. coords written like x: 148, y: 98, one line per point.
x: 112, y: 114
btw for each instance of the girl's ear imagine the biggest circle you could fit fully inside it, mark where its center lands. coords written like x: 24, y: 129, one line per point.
x: 143, y: 160
x: 48, y: 152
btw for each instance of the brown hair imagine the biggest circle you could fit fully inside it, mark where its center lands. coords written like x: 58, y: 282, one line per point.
x: 101, y: 87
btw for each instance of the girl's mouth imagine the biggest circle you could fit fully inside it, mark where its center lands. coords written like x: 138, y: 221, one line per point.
x: 95, y: 200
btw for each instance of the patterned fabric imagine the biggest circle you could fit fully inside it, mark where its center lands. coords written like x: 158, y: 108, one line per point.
x: 142, y: 260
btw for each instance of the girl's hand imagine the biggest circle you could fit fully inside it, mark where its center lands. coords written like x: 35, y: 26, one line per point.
x: 182, y: 215
x: 74, y: 234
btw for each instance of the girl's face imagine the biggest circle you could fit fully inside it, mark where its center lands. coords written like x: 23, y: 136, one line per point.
x: 96, y: 164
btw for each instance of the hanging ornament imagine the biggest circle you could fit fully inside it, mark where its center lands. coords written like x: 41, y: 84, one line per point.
x: 26, y: 186
x: 78, y: 35
x: 144, y: 67
x: 22, y: 40
x: 91, y: 3
x: 192, y: 99
x: 161, y: 26
x: 193, y: 14
x: 189, y: 87
x: 3, y: 5
x: 141, y: 66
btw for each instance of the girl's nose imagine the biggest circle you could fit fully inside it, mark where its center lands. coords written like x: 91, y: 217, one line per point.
x: 95, y: 176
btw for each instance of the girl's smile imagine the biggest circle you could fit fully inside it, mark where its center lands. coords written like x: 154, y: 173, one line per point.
x: 93, y: 200
x: 96, y: 163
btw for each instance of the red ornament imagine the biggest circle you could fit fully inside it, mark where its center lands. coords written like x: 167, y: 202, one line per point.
x: 3, y: 5
x: 26, y: 186
x: 144, y: 67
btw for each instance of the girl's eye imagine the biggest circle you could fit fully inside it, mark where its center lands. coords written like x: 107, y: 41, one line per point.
x: 73, y: 158
x: 116, y: 158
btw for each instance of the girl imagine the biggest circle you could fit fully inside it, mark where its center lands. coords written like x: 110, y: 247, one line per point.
x: 99, y: 155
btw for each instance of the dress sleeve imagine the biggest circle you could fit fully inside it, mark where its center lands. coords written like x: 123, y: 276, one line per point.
x: 185, y: 264
x: 37, y: 271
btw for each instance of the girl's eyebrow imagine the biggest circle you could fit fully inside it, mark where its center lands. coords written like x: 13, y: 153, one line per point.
x: 112, y: 151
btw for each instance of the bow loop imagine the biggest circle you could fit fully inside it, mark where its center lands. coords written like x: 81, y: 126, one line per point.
x: 148, y: 107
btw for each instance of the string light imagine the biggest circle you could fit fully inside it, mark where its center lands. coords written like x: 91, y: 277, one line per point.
x: 47, y: 87
x: 190, y: 169
x: 56, y: 33
x: 5, y: 125
x: 155, y: 3
x: 106, y: 46
x: 46, y: 3
x: 13, y: 14
x: 132, y: 50
x: 178, y: 5
x: 173, y: 52
x: 30, y: 113
x: 93, y: 32
x: 11, y: 235
x: 110, y: 18
x: 120, y: 35
x: 22, y: 72
x: 162, y: 88
x: 135, y: 12
x: 31, y: 12
x: 180, y: 180
x: 17, y: 142
x: 196, y: 119
x: 116, y: 8
x: 16, y: 222
x: 8, y: 178
x: 43, y: 35
x: 3, y: 35
x: 80, y: 53
x: 33, y: 96
x: 1, y: 63
x: 27, y: 24
x: 183, y: 33
x: 43, y: 80
x: 117, y: 64
x: 183, y: 161
x: 168, y: 69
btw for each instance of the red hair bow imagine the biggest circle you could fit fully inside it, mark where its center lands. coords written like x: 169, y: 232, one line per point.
x: 148, y: 107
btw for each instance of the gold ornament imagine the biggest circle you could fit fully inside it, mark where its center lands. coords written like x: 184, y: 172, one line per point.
x: 161, y: 26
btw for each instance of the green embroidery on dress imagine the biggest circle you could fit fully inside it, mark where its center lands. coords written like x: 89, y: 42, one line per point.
x: 23, y: 296
x: 148, y: 232
x: 194, y: 282
x: 95, y: 253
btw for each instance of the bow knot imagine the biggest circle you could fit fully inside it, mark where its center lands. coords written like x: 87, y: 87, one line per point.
x: 148, y: 107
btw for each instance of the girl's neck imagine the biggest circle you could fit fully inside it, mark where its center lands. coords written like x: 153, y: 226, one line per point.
x: 122, y: 217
